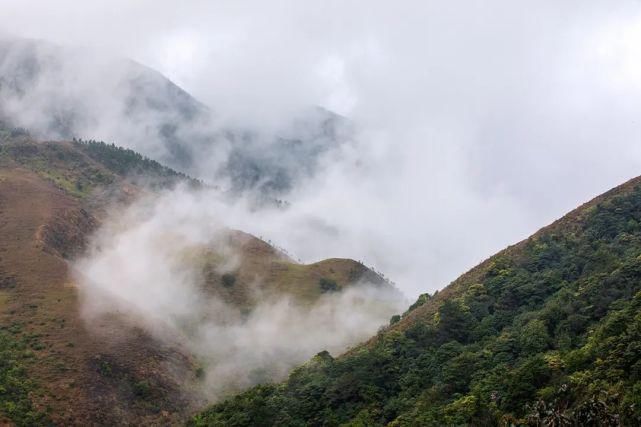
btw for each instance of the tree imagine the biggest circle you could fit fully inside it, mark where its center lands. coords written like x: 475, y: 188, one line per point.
x: 228, y: 280
x: 454, y: 321
x: 327, y: 285
x: 534, y: 337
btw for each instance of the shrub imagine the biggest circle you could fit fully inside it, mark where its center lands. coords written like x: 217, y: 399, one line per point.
x: 142, y: 389
x: 327, y: 285
x: 228, y: 280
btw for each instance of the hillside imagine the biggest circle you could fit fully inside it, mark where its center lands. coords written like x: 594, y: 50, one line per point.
x: 305, y: 282
x: 546, y: 332
x: 44, y: 88
x: 53, y: 196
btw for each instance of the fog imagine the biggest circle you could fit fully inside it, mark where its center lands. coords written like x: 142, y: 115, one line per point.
x: 144, y: 266
x: 475, y: 123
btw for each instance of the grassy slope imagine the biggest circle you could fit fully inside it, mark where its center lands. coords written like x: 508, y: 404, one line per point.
x: 546, y: 331
x: 52, y: 196
x: 80, y: 167
x: 40, y: 223
x: 263, y: 270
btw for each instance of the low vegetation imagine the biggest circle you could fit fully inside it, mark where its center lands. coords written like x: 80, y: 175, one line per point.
x: 126, y: 162
x: 81, y: 166
x: 15, y: 385
x: 228, y: 280
x: 328, y: 285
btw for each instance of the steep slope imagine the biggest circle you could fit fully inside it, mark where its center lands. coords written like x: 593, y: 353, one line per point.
x: 40, y: 311
x: 61, y: 93
x: 53, y: 195
x: 44, y: 89
x: 546, y: 332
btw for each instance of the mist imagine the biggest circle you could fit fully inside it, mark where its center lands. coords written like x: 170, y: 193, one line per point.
x: 475, y: 123
x: 144, y: 267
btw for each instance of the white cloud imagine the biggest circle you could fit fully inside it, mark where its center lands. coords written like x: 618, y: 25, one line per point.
x: 138, y: 267
x: 478, y: 121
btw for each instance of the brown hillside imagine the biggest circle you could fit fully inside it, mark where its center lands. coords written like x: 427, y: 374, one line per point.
x: 51, y: 198
x: 38, y: 223
x: 263, y: 270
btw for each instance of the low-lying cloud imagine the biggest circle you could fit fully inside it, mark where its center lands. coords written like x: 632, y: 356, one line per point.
x: 140, y: 267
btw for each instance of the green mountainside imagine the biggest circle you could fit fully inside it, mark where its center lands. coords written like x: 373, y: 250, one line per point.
x: 81, y: 166
x: 545, y: 333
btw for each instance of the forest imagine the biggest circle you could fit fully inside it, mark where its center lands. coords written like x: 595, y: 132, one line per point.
x: 547, y: 332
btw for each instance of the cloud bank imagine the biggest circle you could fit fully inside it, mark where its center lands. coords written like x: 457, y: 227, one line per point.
x: 143, y: 267
x: 477, y: 122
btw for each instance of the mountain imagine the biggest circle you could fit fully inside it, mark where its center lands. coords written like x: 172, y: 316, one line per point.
x: 546, y: 332
x: 55, y: 367
x: 63, y: 93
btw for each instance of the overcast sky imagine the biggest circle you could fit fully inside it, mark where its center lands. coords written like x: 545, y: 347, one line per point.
x: 478, y: 122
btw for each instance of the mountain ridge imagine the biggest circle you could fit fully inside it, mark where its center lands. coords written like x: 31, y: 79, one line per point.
x: 53, y: 197
x: 570, y: 218
x: 545, y: 332
x: 45, y: 90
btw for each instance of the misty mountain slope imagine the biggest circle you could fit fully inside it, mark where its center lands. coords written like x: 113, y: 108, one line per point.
x: 546, y: 332
x: 61, y: 93
x: 40, y: 314
x: 84, y: 169
x: 45, y: 88
x: 66, y: 367
x: 259, y: 269
x: 71, y: 376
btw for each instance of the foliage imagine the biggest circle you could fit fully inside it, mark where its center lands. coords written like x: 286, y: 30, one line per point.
x: 228, y: 280
x: 15, y: 386
x: 395, y: 319
x: 422, y: 299
x: 547, y: 333
x: 142, y: 389
x: 81, y: 166
x: 328, y: 285
x: 126, y: 162
x: 105, y: 369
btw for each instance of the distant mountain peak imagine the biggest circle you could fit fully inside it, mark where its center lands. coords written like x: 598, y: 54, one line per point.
x: 59, y: 93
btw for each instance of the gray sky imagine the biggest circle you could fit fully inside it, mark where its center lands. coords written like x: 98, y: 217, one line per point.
x: 479, y: 121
